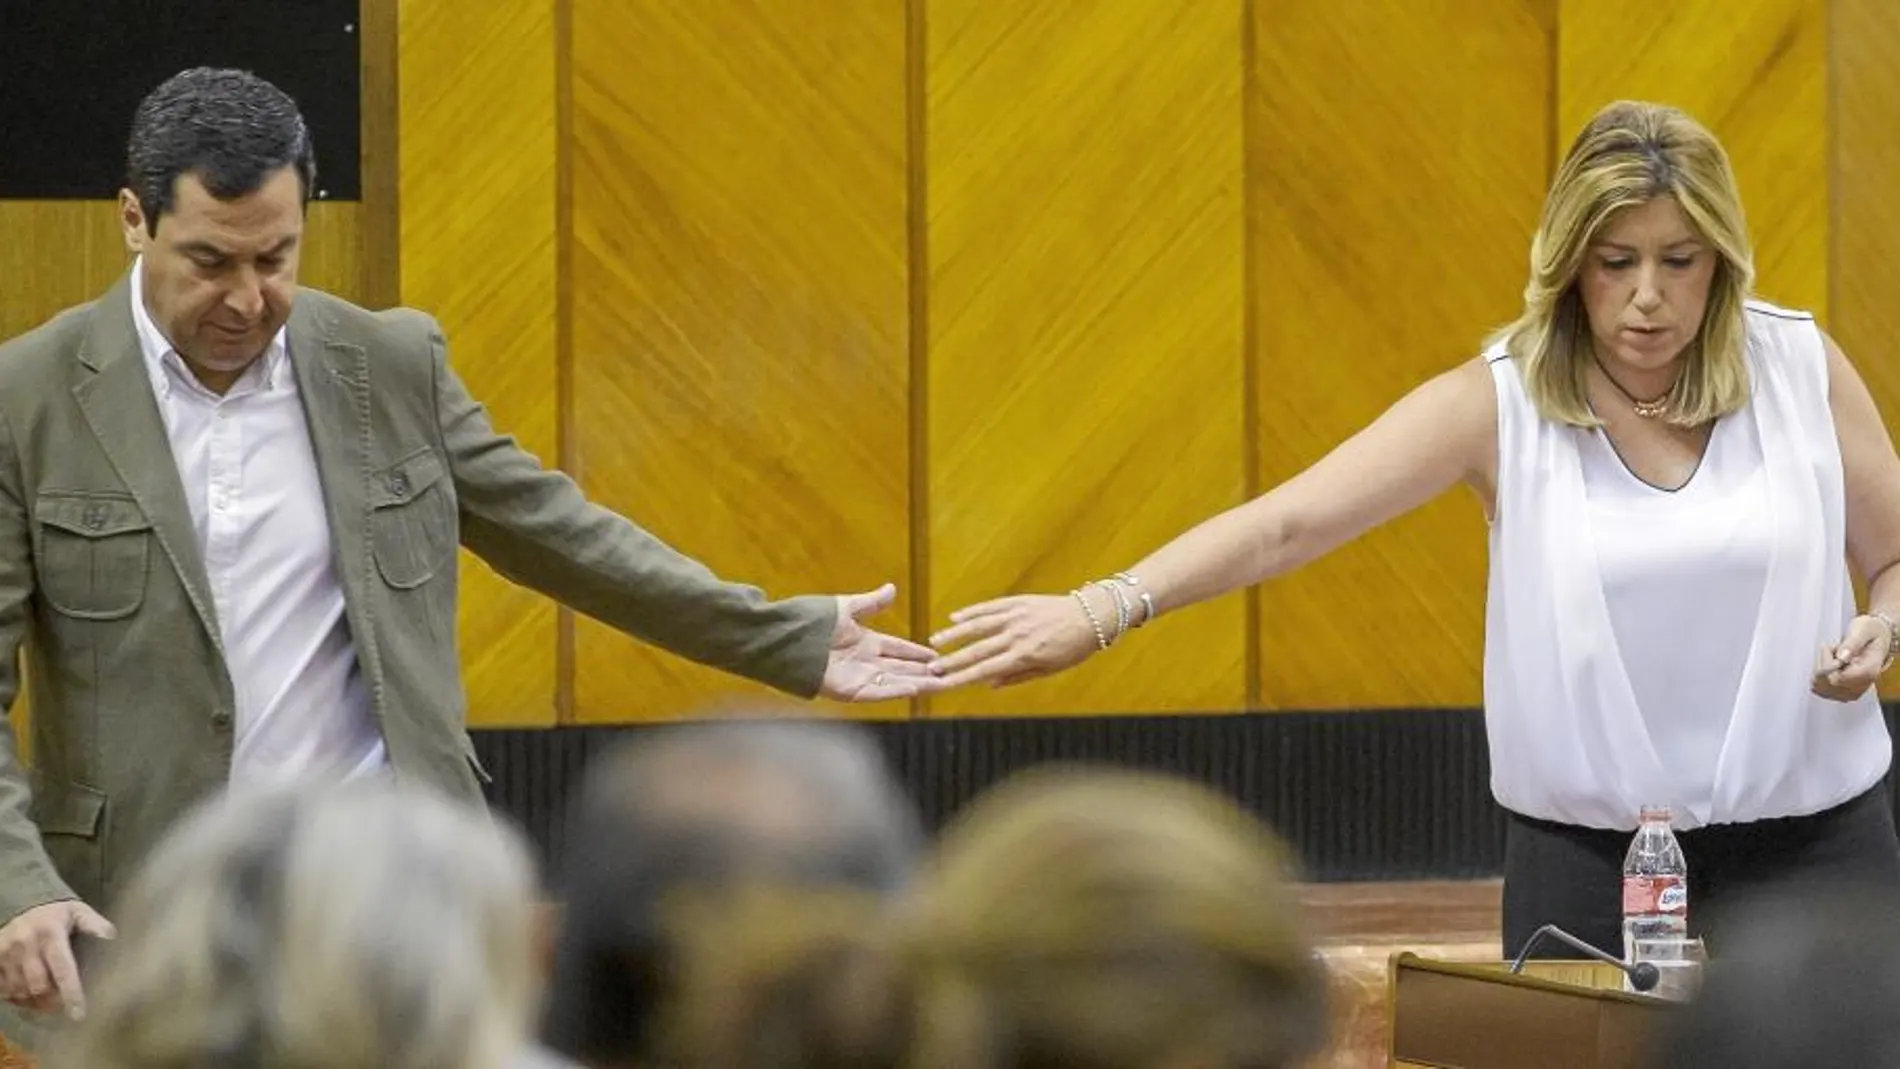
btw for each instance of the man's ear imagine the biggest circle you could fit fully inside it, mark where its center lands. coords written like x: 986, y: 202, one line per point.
x: 132, y: 222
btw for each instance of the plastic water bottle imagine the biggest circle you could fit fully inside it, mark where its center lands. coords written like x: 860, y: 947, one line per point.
x: 1655, y: 884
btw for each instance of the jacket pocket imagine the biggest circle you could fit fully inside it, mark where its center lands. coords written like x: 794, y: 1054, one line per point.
x: 67, y: 815
x: 412, y: 520
x: 93, y: 553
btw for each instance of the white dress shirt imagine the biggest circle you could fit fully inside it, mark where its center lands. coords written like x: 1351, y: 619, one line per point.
x: 250, y: 476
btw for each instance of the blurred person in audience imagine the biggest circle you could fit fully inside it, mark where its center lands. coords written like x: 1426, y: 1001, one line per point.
x: 1107, y: 920
x: 356, y: 925
x: 1808, y: 978
x: 693, y: 808
x: 229, y: 513
x: 1677, y: 478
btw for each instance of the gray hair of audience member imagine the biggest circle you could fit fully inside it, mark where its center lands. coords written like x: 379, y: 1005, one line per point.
x: 1083, y: 917
x: 706, y: 805
x: 356, y: 925
x: 1802, y: 976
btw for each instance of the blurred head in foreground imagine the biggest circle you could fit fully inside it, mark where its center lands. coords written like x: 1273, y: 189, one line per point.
x: 359, y: 925
x: 1084, y: 919
x: 696, y: 808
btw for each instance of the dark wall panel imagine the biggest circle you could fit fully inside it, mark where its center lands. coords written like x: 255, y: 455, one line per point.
x: 1362, y: 796
x: 1380, y: 795
x: 72, y: 73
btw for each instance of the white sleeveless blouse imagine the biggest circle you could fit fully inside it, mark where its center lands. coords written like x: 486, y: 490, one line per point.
x: 1654, y: 647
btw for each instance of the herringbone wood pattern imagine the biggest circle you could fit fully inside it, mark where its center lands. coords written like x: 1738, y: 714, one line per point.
x: 1755, y: 74
x: 1084, y: 174
x: 1400, y: 163
x: 478, y: 238
x: 1082, y: 192
x: 740, y: 288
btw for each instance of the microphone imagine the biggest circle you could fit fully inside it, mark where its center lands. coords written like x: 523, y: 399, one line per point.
x: 1643, y: 975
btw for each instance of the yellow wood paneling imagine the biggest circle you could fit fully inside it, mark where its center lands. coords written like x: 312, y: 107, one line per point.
x: 334, y: 256
x: 478, y: 228
x: 1093, y: 186
x: 1864, y: 71
x: 1086, y: 313
x: 740, y: 296
x: 53, y: 255
x: 1394, y: 194
x: 1755, y: 74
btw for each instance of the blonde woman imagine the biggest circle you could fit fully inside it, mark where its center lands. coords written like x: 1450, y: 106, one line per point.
x: 355, y: 926
x: 1677, y: 476
x: 1105, y: 920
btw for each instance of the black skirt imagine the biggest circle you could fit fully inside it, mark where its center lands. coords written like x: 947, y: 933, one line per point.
x: 1572, y: 876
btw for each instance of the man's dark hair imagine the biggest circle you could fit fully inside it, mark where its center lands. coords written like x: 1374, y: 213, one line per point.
x: 651, y: 824
x: 229, y: 128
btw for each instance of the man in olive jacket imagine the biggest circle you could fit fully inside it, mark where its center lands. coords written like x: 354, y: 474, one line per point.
x: 229, y: 513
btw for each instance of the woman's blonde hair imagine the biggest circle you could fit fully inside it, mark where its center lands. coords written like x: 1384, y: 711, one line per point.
x: 1629, y: 154
x: 1110, y: 920
x: 347, y: 926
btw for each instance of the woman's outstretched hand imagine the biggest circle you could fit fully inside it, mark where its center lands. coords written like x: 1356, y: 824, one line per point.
x: 1015, y: 639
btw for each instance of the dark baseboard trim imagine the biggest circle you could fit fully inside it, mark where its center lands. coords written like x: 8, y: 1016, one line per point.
x: 1395, y: 794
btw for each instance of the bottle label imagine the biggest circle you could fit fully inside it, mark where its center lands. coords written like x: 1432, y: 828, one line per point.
x: 1655, y: 894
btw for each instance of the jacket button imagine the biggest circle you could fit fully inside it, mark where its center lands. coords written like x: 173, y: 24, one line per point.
x: 221, y: 718
x: 399, y: 484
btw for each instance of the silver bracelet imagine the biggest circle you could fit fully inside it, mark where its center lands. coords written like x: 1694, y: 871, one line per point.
x: 1122, y: 609
x: 1147, y: 600
x: 1893, y: 637
x: 1101, y: 640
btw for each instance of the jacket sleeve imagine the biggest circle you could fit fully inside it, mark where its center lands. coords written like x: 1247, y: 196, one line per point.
x: 27, y: 875
x: 534, y: 526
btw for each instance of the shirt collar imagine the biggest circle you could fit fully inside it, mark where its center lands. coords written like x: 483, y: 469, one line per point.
x: 162, y: 360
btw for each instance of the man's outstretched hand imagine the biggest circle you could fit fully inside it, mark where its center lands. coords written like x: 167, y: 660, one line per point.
x: 870, y: 666
x: 37, y: 969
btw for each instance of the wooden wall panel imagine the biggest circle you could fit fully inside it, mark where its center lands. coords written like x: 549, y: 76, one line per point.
x: 1394, y: 197
x: 740, y: 295
x: 1756, y: 75
x: 479, y: 224
x: 1140, y: 290
x: 336, y: 251
x: 1864, y: 317
x: 53, y: 255
x: 1086, y: 309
